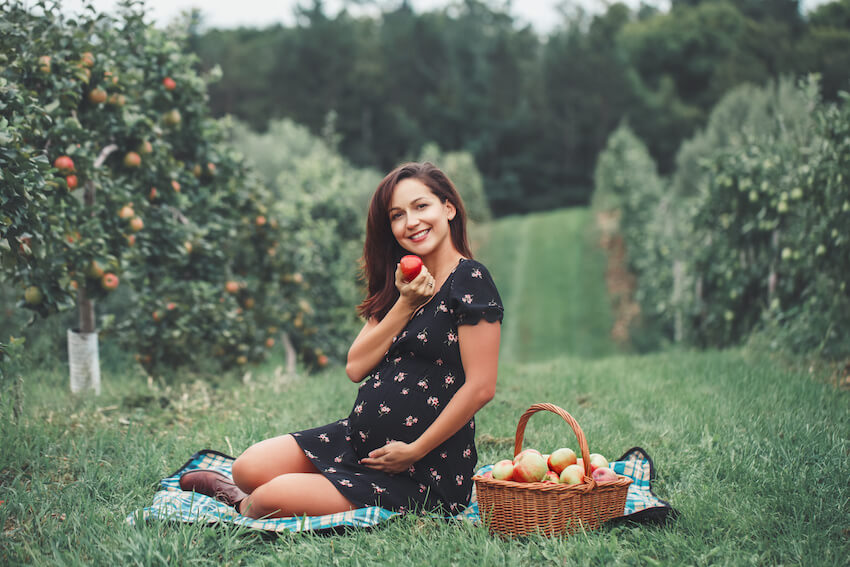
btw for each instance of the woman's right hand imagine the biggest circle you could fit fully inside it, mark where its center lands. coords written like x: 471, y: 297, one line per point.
x: 416, y: 292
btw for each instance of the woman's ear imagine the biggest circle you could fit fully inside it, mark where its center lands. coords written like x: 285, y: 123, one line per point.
x: 451, y: 211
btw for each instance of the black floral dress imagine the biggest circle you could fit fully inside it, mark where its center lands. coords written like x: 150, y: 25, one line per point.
x: 402, y: 396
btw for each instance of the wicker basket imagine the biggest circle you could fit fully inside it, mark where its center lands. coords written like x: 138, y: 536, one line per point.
x: 511, y: 508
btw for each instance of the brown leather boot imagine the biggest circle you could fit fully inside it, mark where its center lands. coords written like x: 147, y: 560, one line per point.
x: 214, y: 484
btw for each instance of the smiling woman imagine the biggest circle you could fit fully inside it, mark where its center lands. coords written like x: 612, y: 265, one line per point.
x: 429, y: 354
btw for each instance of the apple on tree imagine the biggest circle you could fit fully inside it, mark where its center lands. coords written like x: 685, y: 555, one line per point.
x: 71, y: 181
x: 132, y: 159
x: 97, y: 96
x: 64, y: 164
x: 109, y: 281
x: 33, y: 295
x: 169, y: 84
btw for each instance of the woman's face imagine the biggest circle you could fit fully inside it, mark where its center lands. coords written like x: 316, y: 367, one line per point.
x: 419, y: 220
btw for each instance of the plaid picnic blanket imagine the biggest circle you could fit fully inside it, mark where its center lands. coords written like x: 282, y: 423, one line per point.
x: 172, y: 504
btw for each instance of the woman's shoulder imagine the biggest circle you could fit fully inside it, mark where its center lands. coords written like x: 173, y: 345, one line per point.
x: 471, y: 273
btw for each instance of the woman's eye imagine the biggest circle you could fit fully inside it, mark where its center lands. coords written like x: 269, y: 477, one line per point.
x: 421, y: 205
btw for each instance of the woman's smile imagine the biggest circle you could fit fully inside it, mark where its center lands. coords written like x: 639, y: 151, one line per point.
x: 420, y: 236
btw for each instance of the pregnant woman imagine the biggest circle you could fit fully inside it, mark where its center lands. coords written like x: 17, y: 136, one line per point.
x: 426, y: 360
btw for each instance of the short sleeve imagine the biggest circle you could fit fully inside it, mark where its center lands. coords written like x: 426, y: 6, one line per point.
x: 473, y: 295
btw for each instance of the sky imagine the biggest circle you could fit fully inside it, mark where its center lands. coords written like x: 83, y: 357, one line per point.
x: 542, y: 14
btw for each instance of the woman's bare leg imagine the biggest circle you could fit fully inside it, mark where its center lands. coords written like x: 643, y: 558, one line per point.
x: 269, y: 459
x: 295, y: 494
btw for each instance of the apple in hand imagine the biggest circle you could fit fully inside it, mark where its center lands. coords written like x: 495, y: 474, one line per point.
x: 503, y: 470
x: 572, y: 474
x: 410, y: 266
x: 597, y: 461
x: 561, y: 459
x: 530, y: 468
x: 604, y: 474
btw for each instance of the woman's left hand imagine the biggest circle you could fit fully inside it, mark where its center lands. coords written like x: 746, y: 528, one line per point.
x: 394, y: 457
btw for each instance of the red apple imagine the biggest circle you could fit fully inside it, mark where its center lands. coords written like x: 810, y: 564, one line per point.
x: 153, y: 194
x: 322, y: 360
x: 64, y: 164
x: 132, y: 159
x: 530, y: 468
x: 597, y: 461
x: 175, y: 186
x: 604, y: 474
x: 136, y: 224
x: 503, y: 470
x: 109, y: 281
x: 145, y: 147
x: 126, y: 212
x: 44, y: 64
x: 71, y: 181
x: 410, y: 266
x: 97, y: 96
x: 572, y: 474
x: 260, y: 220
x: 552, y: 476
x: 561, y: 459
x: 522, y: 454
x: 232, y: 287
x: 87, y: 59
x: 169, y: 84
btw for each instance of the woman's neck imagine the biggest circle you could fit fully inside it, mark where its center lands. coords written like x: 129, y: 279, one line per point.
x: 441, y: 263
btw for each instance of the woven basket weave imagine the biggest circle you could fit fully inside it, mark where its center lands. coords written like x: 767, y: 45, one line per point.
x: 511, y: 508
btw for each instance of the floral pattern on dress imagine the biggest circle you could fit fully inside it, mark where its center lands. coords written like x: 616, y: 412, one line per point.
x: 401, y: 397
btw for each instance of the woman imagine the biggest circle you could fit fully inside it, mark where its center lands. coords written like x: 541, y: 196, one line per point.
x: 429, y: 349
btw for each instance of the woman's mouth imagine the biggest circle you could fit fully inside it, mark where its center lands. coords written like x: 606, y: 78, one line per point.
x: 419, y: 236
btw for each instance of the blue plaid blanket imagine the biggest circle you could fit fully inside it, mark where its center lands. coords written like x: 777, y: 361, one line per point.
x: 172, y: 504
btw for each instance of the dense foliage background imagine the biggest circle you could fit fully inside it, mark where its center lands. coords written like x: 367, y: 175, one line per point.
x: 533, y: 110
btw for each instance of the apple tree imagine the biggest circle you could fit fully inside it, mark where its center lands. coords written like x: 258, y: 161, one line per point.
x: 120, y: 188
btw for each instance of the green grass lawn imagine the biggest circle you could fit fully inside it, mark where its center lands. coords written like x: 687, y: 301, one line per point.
x: 754, y: 453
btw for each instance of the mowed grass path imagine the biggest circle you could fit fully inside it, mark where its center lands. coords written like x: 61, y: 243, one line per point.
x: 551, y: 278
x: 755, y: 454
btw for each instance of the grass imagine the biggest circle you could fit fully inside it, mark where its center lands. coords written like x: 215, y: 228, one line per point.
x: 753, y: 453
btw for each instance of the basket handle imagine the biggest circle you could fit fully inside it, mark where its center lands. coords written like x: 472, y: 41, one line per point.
x: 582, y: 441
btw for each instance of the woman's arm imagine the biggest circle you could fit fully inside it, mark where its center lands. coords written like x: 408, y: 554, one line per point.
x: 375, y: 338
x: 479, y: 351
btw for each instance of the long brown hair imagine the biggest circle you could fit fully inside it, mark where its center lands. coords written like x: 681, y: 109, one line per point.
x: 381, y: 251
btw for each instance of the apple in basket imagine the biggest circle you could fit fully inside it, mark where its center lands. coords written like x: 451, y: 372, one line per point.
x: 503, y: 470
x: 572, y: 474
x: 597, y: 461
x: 552, y: 476
x: 561, y: 459
x: 522, y: 454
x: 604, y: 474
x: 531, y: 467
